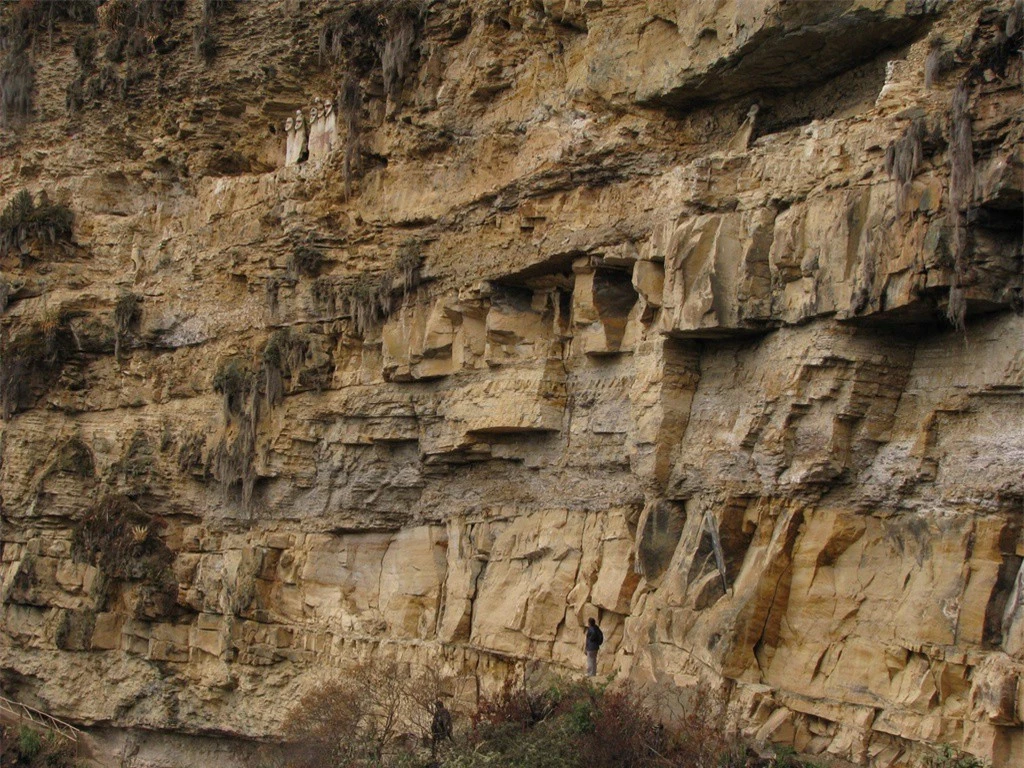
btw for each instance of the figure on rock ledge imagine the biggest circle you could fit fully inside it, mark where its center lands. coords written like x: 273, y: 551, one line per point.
x: 295, y: 131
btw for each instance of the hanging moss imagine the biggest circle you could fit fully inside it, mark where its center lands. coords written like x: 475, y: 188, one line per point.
x: 306, y: 260
x: 238, y: 383
x: 33, y: 360
x: 134, y: 25
x: 190, y: 454
x: 19, y: 24
x: 74, y: 458
x: 17, y: 82
x: 961, y: 196
x: 234, y: 458
x: 938, y: 61
x: 126, y: 315
x: 134, y: 469
x: 903, y: 157
x: 370, y: 297
x: 204, y: 38
x: 373, y: 40
x: 350, y: 105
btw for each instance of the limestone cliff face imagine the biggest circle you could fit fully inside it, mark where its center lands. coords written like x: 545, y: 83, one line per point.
x: 542, y: 322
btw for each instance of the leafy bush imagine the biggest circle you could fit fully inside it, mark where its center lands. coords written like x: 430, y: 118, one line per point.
x: 361, y: 718
x: 949, y: 757
x: 23, y: 747
x: 29, y: 743
x: 25, y: 221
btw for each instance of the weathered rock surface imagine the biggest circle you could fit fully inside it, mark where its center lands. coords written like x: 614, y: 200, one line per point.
x: 583, y: 336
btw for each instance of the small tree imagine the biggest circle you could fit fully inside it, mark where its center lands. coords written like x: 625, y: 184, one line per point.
x: 363, y: 717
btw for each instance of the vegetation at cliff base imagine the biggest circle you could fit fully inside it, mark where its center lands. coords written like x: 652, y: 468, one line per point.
x: 380, y: 715
x: 24, y: 747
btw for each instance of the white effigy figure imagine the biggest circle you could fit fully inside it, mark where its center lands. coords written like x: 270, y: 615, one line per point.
x: 295, y: 132
x: 317, y: 137
x: 741, y: 141
x: 289, y: 141
x: 330, y: 124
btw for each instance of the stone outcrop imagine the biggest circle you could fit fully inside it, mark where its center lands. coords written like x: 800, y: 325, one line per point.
x: 566, y: 330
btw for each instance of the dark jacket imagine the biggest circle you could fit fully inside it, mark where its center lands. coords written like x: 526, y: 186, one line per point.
x: 594, y: 638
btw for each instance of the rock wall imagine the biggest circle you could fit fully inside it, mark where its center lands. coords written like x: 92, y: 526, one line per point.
x: 550, y: 324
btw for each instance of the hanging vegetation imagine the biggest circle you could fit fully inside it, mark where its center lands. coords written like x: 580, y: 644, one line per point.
x: 369, y: 298
x: 19, y: 24
x: 126, y: 315
x: 25, y: 222
x: 32, y: 360
x: 369, y: 41
x: 903, y: 157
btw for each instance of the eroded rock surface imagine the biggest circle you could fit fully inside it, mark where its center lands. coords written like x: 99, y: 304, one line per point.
x: 548, y: 325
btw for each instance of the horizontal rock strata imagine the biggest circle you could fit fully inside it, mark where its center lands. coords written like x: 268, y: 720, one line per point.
x: 702, y: 319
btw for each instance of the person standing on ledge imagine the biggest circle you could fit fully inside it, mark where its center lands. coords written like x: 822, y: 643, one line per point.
x: 594, y: 639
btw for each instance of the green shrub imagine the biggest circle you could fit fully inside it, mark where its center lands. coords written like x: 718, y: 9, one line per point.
x: 355, y: 720
x: 24, y: 221
x: 23, y: 747
x: 29, y: 743
x: 950, y: 757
